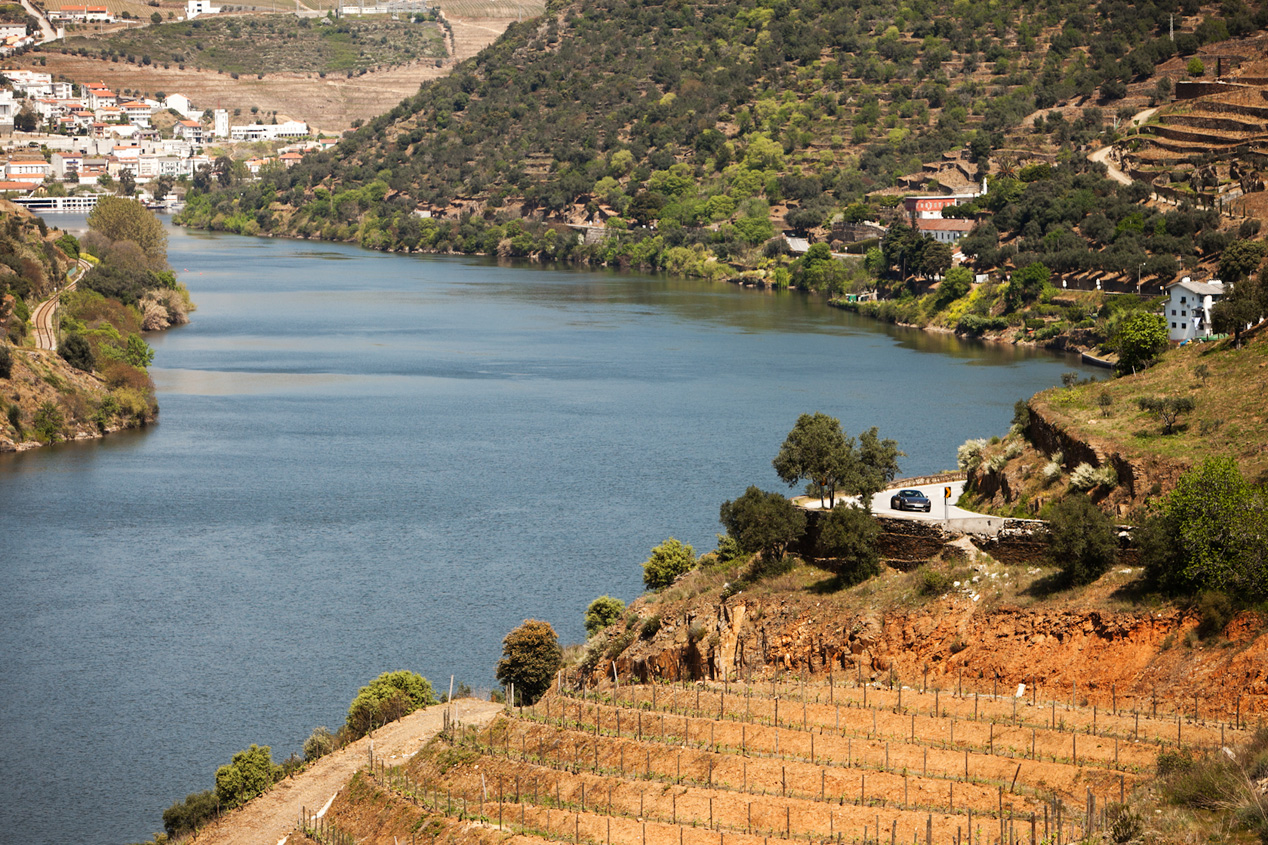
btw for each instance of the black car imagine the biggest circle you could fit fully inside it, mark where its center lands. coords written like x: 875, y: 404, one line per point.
x: 910, y: 500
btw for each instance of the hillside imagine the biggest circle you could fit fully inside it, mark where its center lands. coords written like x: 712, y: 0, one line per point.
x: 694, y: 136
x: 788, y: 713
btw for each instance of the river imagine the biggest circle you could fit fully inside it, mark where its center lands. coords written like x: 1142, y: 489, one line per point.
x: 369, y: 462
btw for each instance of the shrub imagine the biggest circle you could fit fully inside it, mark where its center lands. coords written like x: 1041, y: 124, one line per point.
x: 530, y: 658
x: 1167, y: 408
x: 1088, y: 477
x: 764, y: 522
x: 849, y: 535
x: 933, y: 582
x: 187, y: 816
x: 728, y: 549
x: 669, y: 560
x: 1104, y: 401
x: 651, y: 626
x: 969, y: 455
x: 386, y: 699
x: 1082, y: 541
x: 6, y: 361
x: 250, y: 773
x: 1216, y: 611
x: 75, y: 349
x: 602, y: 612
x: 48, y: 423
x: 319, y: 743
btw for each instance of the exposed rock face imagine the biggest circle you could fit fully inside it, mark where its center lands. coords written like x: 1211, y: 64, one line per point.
x: 1124, y: 657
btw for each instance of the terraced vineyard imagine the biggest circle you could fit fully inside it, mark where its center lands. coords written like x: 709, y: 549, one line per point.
x: 744, y: 764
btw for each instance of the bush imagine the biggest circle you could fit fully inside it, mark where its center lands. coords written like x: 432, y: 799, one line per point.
x: 75, y: 349
x: 933, y: 582
x: 386, y: 699
x: 250, y: 773
x: 763, y: 522
x: 651, y: 626
x: 48, y: 423
x: 1087, y: 477
x: 602, y: 612
x: 1216, y: 610
x: 849, y: 535
x: 319, y: 743
x: 1082, y: 541
x: 530, y: 658
x: 668, y: 561
x: 969, y: 455
x: 6, y: 361
x: 187, y: 816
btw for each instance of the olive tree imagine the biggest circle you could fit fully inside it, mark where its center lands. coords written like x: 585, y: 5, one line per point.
x: 248, y: 775
x: 602, y: 612
x: 530, y: 658
x: 669, y: 560
x: 386, y: 699
x: 1081, y: 540
x: 764, y: 522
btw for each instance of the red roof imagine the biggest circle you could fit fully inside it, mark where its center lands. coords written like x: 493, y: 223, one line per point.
x: 945, y: 225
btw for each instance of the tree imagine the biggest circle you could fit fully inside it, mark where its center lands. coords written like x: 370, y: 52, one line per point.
x: 935, y: 259
x: 875, y: 465
x: 161, y: 187
x: 127, y: 183
x: 954, y: 285
x: 669, y: 560
x: 1166, y: 408
x: 1208, y: 533
x: 75, y: 349
x: 386, y: 699
x: 816, y: 450
x: 1141, y: 337
x: 1240, y: 259
x: 223, y: 169
x: 530, y: 658
x: 6, y: 361
x: 1081, y: 540
x: 602, y: 612
x: 1245, y: 305
x: 156, y: 18
x: 763, y: 522
x: 120, y: 219
x: 250, y: 773
x: 849, y: 534
x: 188, y: 815
x: 1026, y: 285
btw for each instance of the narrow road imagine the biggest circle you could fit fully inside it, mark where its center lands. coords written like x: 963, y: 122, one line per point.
x: 942, y: 508
x: 45, y: 315
x: 271, y: 818
x: 47, y: 32
x: 1102, y: 155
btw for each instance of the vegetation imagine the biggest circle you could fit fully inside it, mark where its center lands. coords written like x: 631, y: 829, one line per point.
x: 530, y: 658
x: 762, y: 522
x: 248, y: 775
x: 818, y: 450
x: 1207, y: 534
x: 669, y: 560
x: 268, y: 44
x: 602, y: 612
x: 386, y: 699
x: 1166, y: 408
x: 848, y: 535
x: 1082, y: 541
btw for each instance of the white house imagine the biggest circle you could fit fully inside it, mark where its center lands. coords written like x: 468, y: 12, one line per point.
x: 194, y: 8
x: 180, y: 104
x: 267, y: 132
x: 1189, y: 306
x: 944, y: 230
x: 8, y: 108
x: 10, y: 30
x: 137, y: 113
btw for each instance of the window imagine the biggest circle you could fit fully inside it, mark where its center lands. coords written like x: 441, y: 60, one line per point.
x: 1184, y: 313
x: 1173, y: 312
x: 1173, y: 325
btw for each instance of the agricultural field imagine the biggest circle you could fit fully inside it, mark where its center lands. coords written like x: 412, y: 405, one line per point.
x: 263, y: 44
x: 788, y: 760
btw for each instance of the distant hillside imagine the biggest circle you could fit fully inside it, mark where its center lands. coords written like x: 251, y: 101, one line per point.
x: 722, y: 124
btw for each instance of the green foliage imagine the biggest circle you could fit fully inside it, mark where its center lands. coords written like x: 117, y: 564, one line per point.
x: 728, y: 549
x: 249, y: 775
x: 849, y: 535
x: 1240, y: 259
x: 1026, y: 285
x: 530, y: 658
x: 119, y: 219
x: 386, y: 699
x: 1246, y: 304
x: 319, y: 743
x: 6, y: 361
x: 187, y: 816
x: 669, y: 560
x: 816, y: 450
x: 1208, y: 534
x: 75, y: 349
x: 1081, y: 540
x: 763, y: 522
x: 650, y: 626
x: 955, y: 284
x: 1166, y: 408
x: 48, y: 423
x: 602, y: 612
x: 1140, y: 339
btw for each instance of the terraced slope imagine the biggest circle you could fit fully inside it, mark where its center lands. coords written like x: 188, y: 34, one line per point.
x: 784, y: 760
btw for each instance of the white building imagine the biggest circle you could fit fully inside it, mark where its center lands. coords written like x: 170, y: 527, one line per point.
x: 12, y: 30
x: 944, y: 230
x: 8, y: 108
x: 194, y: 8
x: 180, y: 104
x: 1189, y: 307
x: 221, y: 128
x: 266, y: 132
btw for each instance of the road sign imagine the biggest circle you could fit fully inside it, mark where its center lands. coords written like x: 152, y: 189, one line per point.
x: 946, y: 492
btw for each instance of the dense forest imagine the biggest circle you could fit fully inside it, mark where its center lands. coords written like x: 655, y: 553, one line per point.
x: 695, y: 134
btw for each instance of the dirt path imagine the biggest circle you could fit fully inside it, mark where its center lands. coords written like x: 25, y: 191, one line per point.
x: 1103, y: 154
x: 270, y: 818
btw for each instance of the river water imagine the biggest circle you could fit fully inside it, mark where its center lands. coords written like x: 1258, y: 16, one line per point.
x: 369, y: 462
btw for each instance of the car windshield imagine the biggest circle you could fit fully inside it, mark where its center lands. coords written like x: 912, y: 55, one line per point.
x: 914, y: 494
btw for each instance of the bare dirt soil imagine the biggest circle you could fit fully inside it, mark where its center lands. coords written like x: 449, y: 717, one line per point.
x: 269, y: 818
x: 328, y: 105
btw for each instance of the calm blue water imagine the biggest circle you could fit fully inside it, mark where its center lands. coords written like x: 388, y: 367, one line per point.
x: 369, y: 462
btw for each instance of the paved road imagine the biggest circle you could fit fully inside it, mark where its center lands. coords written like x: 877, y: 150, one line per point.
x: 935, y: 492
x: 45, y: 314
x: 47, y: 32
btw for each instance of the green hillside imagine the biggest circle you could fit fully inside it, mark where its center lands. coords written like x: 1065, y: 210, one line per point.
x: 715, y: 126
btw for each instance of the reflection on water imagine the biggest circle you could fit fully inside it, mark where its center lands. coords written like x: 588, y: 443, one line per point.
x: 369, y: 462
